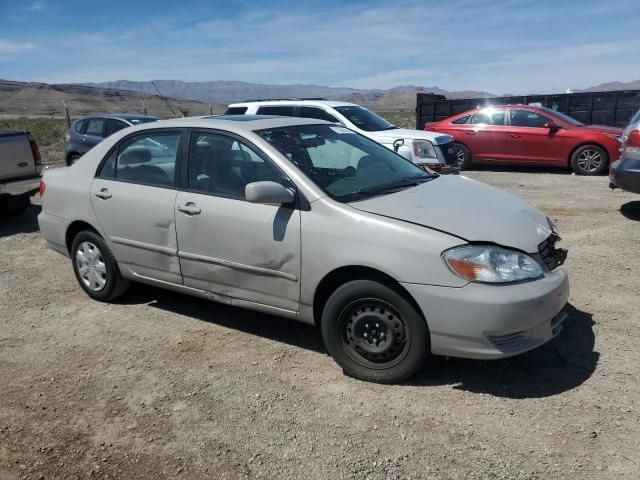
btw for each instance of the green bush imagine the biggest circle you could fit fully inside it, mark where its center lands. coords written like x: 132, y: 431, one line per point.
x: 47, y: 132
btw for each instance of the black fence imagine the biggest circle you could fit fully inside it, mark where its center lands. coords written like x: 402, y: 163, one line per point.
x: 597, y: 108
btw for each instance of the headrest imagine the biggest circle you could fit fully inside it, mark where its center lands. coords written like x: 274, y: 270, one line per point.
x: 133, y: 155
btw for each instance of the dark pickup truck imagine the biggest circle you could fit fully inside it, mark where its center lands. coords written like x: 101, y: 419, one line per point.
x: 20, y: 168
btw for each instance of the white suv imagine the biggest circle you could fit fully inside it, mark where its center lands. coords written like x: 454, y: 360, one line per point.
x: 426, y: 149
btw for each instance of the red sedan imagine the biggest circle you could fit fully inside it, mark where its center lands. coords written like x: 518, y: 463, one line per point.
x: 527, y: 135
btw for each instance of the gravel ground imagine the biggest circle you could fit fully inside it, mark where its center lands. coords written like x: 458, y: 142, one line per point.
x: 160, y: 385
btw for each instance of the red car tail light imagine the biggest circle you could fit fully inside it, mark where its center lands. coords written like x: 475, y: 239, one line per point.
x: 634, y: 139
x: 42, y: 188
x: 36, y: 152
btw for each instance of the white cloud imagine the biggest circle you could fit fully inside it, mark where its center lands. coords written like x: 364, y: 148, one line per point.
x: 36, y: 6
x: 10, y: 48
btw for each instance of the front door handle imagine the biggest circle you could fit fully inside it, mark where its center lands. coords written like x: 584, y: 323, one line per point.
x: 189, y: 208
x: 470, y: 132
x: 514, y: 135
x: 104, y: 194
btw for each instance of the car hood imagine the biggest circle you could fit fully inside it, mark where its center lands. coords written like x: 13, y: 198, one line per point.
x: 601, y: 129
x: 390, y: 135
x: 465, y: 208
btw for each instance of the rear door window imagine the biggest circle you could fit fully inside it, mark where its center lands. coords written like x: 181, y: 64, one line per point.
x: 95, y: 127
x: 148, y: 158
x: 282, y: 110
x: 236, y: 111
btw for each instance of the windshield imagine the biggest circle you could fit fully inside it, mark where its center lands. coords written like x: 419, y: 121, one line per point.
x: 364, y: 119
x: 564, y: 118
x: 344, y: 164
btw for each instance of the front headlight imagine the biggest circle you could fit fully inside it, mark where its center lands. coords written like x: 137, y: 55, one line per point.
x: 423, y: 149
x: 491, y: 264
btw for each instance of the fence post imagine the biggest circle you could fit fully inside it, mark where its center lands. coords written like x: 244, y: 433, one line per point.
x: 66, y: 110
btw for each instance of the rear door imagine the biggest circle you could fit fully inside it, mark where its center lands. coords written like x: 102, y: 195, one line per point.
x: 133, y: 197
x: 93, y: 133
x: 529, y: 141
x: 484, y: 134
x: 227, y: 245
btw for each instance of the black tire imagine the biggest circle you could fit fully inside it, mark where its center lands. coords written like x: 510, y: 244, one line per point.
x: 397, y: 344
x: 14, y: 209
x: 73, y: 158
x: 582, y: 166
x: 464, y: 156
x: 114, y: 283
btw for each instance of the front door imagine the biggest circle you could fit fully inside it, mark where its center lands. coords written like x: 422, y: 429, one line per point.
x: 227, y: 245
x: 529, y: 141
x: 133, y: 198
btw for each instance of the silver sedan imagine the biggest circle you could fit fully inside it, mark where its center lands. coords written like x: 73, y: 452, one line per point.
x: 314, y: 222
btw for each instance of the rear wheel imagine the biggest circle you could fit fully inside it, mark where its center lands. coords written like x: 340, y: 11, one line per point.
x: 464, y: 156
x: 589, y: 160
x: 374, y: 333
x: 96, y: 268
x: 73, y: 158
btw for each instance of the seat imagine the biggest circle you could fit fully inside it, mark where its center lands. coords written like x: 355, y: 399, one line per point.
x: 217, y: 175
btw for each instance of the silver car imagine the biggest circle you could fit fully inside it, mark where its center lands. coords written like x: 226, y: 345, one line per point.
x: 625, y: 173
x: 309, y: 220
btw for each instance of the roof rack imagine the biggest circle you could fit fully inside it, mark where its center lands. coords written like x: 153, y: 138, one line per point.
x: 281, y: 99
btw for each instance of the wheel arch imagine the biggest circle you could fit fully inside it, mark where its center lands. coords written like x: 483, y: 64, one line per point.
x: 75, y: 228
x: 338, y: 277
x: 583, y: 144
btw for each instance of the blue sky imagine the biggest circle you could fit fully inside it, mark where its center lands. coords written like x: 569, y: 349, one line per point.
x: 505, y: 46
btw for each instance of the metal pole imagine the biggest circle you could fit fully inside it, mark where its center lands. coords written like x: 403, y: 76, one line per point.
x: 210, y: 110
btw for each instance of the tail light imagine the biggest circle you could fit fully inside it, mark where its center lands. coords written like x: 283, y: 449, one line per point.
x: 36, y: 152
x: 634, y: 139
x: 42, y: 188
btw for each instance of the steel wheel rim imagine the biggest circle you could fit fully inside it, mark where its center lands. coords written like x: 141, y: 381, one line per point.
x: 460, y: 155
x: 374, y: 334
x: 91, y: 267
x: 589, y: 160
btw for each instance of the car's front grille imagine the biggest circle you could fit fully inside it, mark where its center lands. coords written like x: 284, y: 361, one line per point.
x: 551, y: 256
x: 449, y: 152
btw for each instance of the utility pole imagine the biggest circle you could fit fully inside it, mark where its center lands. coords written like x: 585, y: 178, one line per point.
x: 144, y: 107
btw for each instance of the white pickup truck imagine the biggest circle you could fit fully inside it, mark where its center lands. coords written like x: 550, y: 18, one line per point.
x: 20, y: 168
x: 426, y: 149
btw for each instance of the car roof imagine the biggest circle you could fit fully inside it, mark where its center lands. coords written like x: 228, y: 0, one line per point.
x: 311, y: 103
x: 245, y: 123
x: 117, y: 116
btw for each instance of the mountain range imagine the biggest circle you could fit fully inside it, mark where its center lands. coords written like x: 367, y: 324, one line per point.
x: 221, y: 91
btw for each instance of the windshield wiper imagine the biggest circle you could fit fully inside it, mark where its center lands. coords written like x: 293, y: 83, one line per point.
x: 396, y: 185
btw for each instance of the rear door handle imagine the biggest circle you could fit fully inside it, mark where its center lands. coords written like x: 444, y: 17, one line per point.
x: 189, y: 208
x: 514, y: 135
x: 104, y: 194
x: 470, y: 132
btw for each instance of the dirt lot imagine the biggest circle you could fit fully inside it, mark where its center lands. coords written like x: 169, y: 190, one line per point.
x: 161, y: 385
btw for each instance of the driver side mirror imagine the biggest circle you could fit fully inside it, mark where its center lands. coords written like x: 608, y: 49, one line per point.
x: 552, y: 126
x: 268, y: 193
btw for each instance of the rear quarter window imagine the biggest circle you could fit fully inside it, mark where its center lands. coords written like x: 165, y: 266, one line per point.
x: 79, y: 126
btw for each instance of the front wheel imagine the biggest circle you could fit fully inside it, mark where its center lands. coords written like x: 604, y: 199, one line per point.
x: 589, y: 160
x: 464, y: 156
x: 96, y: 268
x: 374, y: 333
